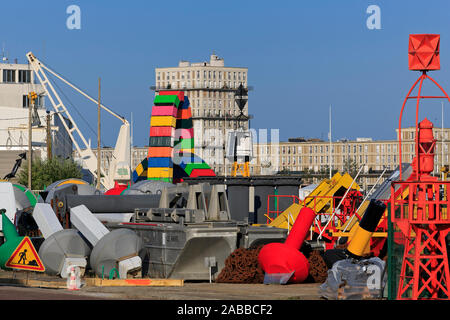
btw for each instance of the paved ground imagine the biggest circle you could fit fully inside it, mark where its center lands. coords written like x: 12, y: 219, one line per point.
x: 190, y: 291
x: 214, y: 291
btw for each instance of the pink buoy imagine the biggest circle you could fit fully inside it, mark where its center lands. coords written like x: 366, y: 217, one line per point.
x: 285, y: 258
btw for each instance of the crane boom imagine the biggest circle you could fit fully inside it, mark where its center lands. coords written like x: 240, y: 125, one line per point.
x: 119, y: 169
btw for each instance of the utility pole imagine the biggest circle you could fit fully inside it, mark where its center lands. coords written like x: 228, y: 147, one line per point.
x: 131, y: 147
x: 442, y: 139
x: 49, y: 137
x: 31, y: 98
x: 98, y: 139
x: 330, y: 153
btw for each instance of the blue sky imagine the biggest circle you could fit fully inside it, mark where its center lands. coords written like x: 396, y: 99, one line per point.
x: 302, y: 56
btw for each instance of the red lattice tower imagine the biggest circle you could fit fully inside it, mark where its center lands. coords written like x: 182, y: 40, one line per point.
x: 420, y: 204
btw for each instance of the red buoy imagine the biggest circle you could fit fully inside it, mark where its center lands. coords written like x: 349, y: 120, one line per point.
x: 285, y: 258
x: 117, y: 190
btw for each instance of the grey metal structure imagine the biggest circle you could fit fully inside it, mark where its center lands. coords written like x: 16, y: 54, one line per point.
x: 383, y: 192
x: 186, y: 231
x: 248, y: 196
x: 147, y: 187
x: 91, y: 228
x: 118, y: 249
x: 192, y: 225
x: 113, y: 249
x: 46, y: 219
x: 62, y: 249
x: 82, y: 189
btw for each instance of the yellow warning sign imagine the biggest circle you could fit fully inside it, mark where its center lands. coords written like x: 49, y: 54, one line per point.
x: 25, y: 257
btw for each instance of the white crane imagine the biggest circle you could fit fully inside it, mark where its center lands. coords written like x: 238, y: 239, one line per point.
x: 119, y: 168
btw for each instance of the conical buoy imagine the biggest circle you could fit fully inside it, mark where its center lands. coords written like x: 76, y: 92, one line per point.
x: 284, y: 260
x: 73, y: 280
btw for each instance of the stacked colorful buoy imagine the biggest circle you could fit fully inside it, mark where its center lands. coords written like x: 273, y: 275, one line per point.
x: 171, y: 146
x: 162, y: 133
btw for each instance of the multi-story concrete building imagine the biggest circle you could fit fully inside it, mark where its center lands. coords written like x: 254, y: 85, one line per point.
x: 210, y: 87
x: 16, y: 82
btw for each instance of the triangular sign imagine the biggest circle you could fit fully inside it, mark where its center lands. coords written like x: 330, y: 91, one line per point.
x: 25, y: 257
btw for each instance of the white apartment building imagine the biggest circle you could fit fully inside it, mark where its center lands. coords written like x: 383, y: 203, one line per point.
x: 210, y: 87
x: 16, y: 82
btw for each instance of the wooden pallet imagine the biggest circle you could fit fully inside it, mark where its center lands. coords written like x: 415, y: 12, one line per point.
x: 97, y: 282
x: 35, y: 283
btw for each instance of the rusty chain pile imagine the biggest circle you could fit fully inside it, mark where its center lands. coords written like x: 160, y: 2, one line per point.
x: 318, y: 269
x: 242, y: 266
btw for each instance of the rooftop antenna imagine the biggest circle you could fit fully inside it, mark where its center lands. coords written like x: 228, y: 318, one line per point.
x: 4, y: 58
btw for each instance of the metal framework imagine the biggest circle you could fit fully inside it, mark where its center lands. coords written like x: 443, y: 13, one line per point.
x: 419, y: 206
x: 421, y: 214
x: 86, y: 154
x: 332, y: 213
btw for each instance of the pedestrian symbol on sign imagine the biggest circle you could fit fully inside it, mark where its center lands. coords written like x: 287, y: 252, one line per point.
x: 23, y: 256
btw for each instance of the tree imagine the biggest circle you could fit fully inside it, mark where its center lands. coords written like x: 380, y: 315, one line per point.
x: 45, y: 172
x: 351, y: 167
x: 325, y: 172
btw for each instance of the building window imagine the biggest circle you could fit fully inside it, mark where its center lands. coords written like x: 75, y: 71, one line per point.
x: 9, y: 75
x: 25, y: 101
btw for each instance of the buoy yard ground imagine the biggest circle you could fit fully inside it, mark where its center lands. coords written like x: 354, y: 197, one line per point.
x: 44, y: 287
